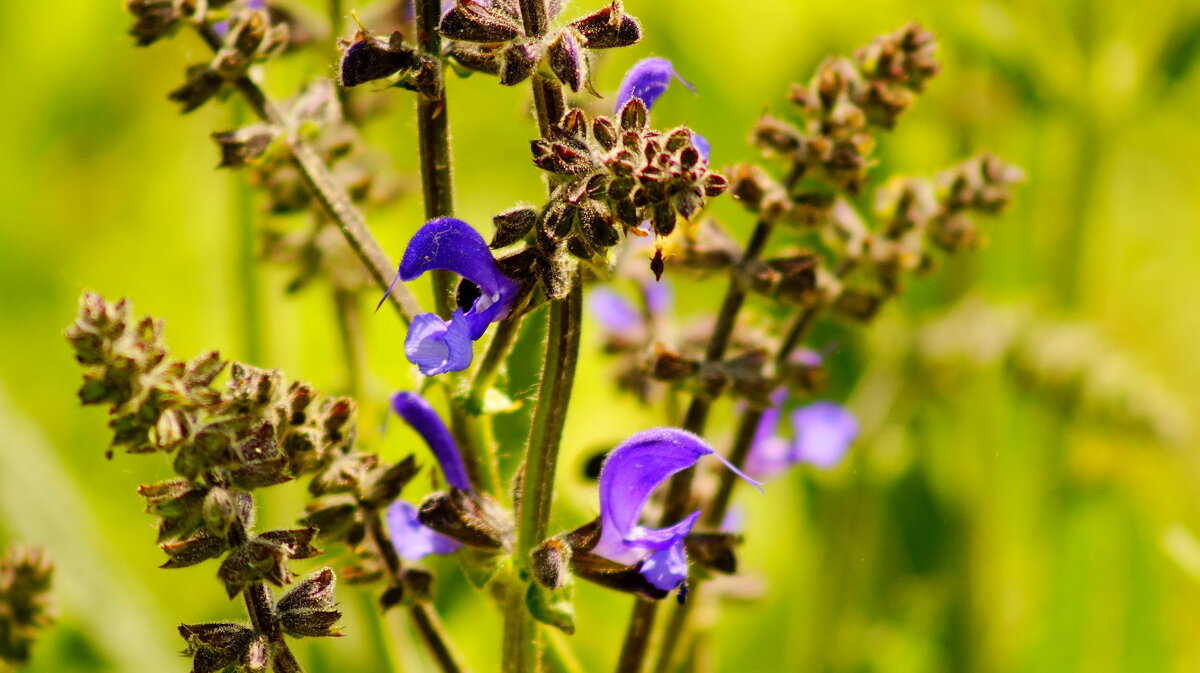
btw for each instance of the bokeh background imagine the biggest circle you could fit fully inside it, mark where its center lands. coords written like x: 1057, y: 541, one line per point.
x: 1023, y: 495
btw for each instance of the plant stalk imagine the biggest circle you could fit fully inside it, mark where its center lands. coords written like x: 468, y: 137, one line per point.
x: 423, y: 617
x: 433, y: 140
x: 714, y: 514
x: 261, y: 610
x: 679, y: 491
x: 324, y: 188
x: 521, y: 643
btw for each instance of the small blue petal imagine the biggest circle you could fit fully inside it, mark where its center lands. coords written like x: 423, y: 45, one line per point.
x: 412, y: 539
x: 418, y: 413
x: 666, y: 569
x: 614, y: 313
x: 647, y: 79
x: 824, y: 431
x: 437, y: 346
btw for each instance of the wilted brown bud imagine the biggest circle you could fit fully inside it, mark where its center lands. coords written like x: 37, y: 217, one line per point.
x: 474, y: 22
x: 513, y: 225
x: 550, y: 562
x: 308, y: 609
x: 518, y: 61
x: 468, y: 518
x: 714, y: 551
x: 609, y: 27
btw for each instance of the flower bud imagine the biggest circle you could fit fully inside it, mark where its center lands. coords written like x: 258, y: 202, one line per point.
x: 512, y: 225
x: 472, y: 520
x: 474, y: 22
x: 609, y: 27
x: 567, y: 60
x: 308, y: 609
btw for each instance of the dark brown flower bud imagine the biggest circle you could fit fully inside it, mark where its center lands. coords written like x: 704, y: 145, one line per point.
x: 467, y: 518
x: 332, y: 516
x: 308, y: 609
x: 668, y: 365
x: 609, y: 27
x: 197, y: 547
x: 595, y: 223
x: 369, y: 58
x: 605, y: 132
x: 202, y: 83
x: 634, y: 116
x: 384, y: 485
x: 215, y: 646
x: 474, y: 22
x: 471, y: 56
x: 512, y: 225
x: 612, y: 575
x: 567, y: 60
x: 518, y: 61
x: 550, y: 563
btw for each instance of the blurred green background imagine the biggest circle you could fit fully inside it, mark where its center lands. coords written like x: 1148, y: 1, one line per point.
x: 1022, y: 497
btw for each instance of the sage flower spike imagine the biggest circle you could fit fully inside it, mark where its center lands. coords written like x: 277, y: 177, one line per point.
x: 412, y: 539
x: 630, y: 474
x: 447, y: 243
x: 421, y: 416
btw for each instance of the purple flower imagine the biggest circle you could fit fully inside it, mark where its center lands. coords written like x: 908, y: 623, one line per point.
x: 630, y: 474
x: 421, y: 417
x: 648, y: 79
x: 616, y: 314
x: 822, y: 433
x: 437, y: 345
x: 412, y: 539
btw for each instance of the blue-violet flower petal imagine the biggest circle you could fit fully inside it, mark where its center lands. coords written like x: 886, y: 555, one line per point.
x: 824, y: 431
x: 647, y: 79
x: 412, y: 539
x: 418, y: 413
x: 630, y: 474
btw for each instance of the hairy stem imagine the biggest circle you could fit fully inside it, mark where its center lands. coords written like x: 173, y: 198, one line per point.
x: 423, y: 617
x: 521, y: 643
x: 261, y: 609
x: 433, y: 139
x: 324, y: 188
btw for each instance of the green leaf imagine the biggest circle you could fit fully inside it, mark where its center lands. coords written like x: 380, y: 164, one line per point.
x: 479, y: 565
x: 556, y: 608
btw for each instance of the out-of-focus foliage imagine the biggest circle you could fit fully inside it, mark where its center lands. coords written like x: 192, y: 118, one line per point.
x: 993, y: 516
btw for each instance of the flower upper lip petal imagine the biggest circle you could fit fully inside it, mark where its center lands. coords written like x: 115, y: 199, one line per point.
x: 418, y: 413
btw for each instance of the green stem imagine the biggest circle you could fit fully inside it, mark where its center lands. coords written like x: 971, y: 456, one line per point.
x: 521, y: 644
x: 244, y: 217
x: 328, y: 193
x: 433, y: 139
x: 261, y: 610
x: 349, y: 320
